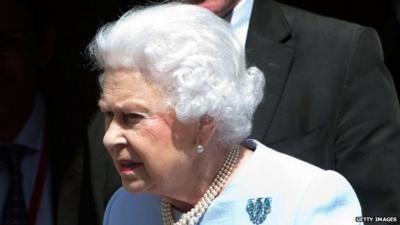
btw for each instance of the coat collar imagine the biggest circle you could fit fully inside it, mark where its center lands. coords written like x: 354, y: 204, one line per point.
x: 267, y: 48
x: 268, y: 20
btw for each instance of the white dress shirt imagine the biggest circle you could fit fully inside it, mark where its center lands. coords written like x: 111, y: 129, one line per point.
x: 31, y: 136
x: 240, y: 19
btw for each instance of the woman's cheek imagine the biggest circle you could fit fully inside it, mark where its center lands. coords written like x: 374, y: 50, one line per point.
x: 154, y: 129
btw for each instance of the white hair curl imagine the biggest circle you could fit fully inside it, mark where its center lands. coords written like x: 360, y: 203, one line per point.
x: 193, y: 56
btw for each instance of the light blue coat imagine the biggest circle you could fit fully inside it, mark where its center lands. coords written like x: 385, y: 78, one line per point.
x: 300, y: 193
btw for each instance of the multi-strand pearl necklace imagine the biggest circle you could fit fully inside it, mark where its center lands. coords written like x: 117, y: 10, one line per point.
x: 192, y: 217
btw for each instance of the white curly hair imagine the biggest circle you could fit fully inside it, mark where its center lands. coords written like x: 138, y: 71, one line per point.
x: 193, y: 56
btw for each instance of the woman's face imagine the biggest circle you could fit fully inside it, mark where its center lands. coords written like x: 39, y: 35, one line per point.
x: 151, y: 149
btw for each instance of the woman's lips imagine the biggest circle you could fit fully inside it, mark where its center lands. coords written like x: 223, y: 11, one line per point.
x: 127, y: 166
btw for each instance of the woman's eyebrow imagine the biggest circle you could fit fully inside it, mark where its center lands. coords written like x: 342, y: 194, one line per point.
x: 125, y: 106
x: 132, y: 106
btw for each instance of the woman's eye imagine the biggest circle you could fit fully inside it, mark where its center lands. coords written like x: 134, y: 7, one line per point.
x: 133, y: 117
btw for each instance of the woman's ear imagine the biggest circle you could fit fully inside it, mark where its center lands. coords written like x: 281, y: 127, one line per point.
x: 206, y: 129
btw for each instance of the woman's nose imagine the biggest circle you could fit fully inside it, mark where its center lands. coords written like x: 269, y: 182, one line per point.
x: 114, y: 136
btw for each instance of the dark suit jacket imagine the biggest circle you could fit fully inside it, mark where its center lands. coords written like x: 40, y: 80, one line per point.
x: 83, y: 175
x: 89, y: 179
x: 329, y: 99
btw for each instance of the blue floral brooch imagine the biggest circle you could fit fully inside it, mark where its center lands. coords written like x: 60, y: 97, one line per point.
x: 258, y: 209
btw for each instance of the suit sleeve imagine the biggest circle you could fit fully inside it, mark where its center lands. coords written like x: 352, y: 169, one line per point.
x: 367, y: 135
x: 329, y: 200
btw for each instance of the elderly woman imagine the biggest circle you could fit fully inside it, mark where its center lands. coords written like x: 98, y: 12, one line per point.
x: 179, y: 101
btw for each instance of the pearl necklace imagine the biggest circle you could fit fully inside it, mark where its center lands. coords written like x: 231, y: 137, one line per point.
x: 192, y: 217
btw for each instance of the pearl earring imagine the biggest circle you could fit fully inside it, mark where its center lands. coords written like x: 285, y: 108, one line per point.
x: 199, y: 148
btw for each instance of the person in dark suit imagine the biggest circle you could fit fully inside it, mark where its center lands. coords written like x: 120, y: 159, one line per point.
x: 41, y: 126
x: 35, y: 149
x: 329, y: 98
x: 26, y: 141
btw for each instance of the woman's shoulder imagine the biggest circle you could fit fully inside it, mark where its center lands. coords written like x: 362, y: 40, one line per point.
x: 287, y: 186
x: 125, y: 208
x: 271, y: 166
x: 287, y: 178
x: 276, y: 164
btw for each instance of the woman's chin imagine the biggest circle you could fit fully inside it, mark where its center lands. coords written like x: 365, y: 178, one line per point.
x: 136, y: 186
